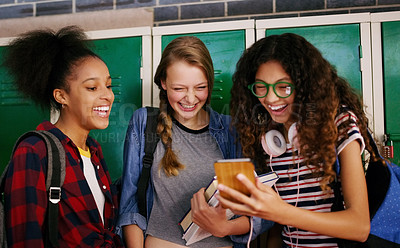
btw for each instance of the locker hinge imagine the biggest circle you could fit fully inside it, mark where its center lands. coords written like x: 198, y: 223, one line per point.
x: 360, y: 54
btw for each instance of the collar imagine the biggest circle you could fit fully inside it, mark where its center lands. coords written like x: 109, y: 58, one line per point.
x: 215, y: 119
x: 65, y: 140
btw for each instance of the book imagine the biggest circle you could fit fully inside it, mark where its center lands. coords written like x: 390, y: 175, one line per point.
x: 192, y: 232
x: 268, y: 179
x: 209, y: 192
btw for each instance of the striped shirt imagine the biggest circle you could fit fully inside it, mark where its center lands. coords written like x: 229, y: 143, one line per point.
x: 298, y: 186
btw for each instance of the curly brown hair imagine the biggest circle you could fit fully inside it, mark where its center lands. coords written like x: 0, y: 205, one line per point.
x: 319, y: 92
x: 193, y: 51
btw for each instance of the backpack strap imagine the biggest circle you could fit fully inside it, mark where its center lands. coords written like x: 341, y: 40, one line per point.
x: 54, y: 181
x: 54, y: 178
x: 378, y: 180
x: 373, y: 144
x: 151, y: 139
x: 338, y: 200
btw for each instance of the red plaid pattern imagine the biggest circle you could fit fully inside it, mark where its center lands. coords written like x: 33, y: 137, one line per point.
x: 79, y: 222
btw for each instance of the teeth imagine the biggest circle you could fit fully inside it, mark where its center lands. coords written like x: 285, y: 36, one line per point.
x: 276, y: 107
x: 188, y: 106
x: 105, y: 108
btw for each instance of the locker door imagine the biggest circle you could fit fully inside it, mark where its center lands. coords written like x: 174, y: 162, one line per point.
x: 225, y: 48
x: 123, y: 57
x: 18, y: 114
x: 339, y: 44
x: 391, y: 80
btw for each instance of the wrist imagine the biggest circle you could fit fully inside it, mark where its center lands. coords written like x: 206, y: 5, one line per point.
x: 225, y: 228
x: 284, y: 213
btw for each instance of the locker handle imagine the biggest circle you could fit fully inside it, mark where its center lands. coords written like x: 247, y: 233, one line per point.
x: 217, y: 98
x: 395, y: 136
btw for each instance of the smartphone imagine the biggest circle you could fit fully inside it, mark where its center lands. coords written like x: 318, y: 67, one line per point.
x: 226, y: 171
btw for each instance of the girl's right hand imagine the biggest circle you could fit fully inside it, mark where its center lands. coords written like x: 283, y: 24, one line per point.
x: 263, y: 201
x: 211, y: 219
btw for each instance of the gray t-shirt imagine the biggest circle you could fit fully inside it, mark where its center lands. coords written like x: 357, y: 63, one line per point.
x: 198, y: 151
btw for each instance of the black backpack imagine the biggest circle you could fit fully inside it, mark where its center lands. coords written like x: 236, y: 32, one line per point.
x: 151, y: 139
x: 54, y: 180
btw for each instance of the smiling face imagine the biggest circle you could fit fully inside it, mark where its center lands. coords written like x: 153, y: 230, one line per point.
x: 88, y: 100
x: 280, y: 109
x: 187, y: 91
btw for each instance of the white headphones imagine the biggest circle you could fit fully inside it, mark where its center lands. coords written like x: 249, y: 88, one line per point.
x: 274, y: 144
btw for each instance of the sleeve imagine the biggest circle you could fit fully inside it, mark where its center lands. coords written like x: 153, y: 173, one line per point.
x: 348, y: 130
x: 25, y: 195
x: 133, y: 154
x: 259, y: 226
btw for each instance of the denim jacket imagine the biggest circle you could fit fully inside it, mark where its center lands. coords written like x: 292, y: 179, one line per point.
x: 219, y: 127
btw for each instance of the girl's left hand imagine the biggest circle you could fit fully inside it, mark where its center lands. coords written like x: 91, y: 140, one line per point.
x: 211, y: 219
x: 263, y: 201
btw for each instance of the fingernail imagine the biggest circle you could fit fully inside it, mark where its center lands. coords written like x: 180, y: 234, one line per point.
x: 240, y: 176
x: 221, y: 187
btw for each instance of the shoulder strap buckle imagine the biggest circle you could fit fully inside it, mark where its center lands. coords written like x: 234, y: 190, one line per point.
x: 147, y: 161
x: 55, y: 194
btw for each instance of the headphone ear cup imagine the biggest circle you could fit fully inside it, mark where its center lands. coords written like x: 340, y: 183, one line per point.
x: 273, y: 143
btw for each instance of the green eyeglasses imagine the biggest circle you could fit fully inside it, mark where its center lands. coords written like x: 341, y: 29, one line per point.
x: 281, y: 89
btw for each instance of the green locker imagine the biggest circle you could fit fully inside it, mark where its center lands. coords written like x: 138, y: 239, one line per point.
x: 339, y: 44
x: 123, y: 57
x: 18, y: 114
x: 225, y: 48
x: 391, y: 79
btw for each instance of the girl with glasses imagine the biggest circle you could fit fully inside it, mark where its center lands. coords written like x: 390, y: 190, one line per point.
x: 303, y: 117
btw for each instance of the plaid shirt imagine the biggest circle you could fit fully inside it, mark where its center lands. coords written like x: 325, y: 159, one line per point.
x: 79, y: 221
